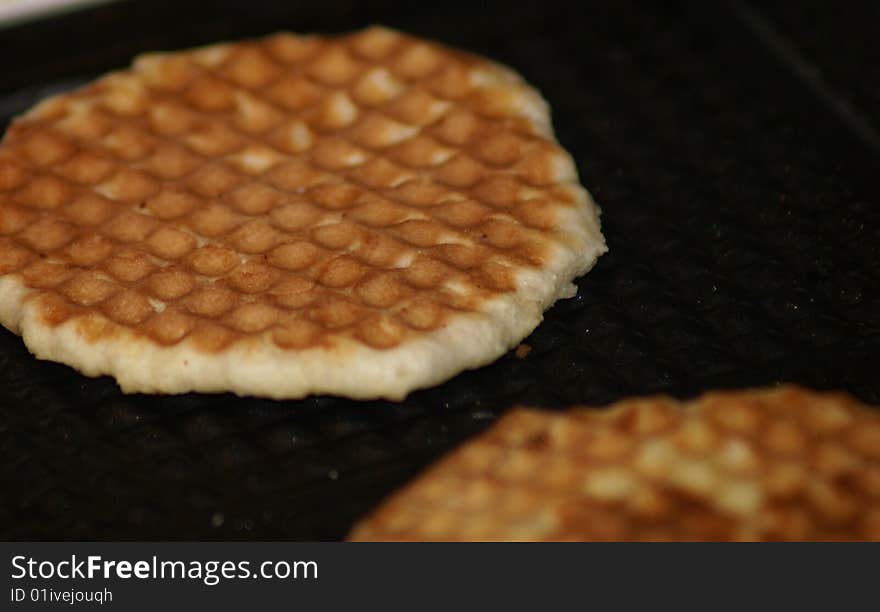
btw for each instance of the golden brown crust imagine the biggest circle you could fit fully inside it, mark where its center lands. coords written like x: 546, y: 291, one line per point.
x: 361, y: 215
x: 781, y: 464
x: 365, y: 186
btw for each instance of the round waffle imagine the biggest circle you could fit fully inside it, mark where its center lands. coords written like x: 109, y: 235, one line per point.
x: 783, y: 464
x: 358, y: 215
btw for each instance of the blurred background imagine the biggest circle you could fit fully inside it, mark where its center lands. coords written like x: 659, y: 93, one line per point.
x: 734, y: 150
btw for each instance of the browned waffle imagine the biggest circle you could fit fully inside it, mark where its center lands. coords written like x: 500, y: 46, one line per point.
x: 361, y: 214
x: 782, y: 464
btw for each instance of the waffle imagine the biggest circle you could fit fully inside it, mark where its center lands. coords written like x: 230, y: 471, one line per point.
x: 782, y: 464
x: 358, y: 215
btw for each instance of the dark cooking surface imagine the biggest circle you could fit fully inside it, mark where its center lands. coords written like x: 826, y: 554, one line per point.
x: 738, y: 207
x: 841, y: 45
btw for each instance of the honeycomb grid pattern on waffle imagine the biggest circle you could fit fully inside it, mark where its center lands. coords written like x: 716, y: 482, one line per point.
x: 296, y: 190
x: 786, y: 464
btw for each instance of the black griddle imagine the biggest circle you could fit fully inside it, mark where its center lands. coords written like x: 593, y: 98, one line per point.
x: 739, y: 206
